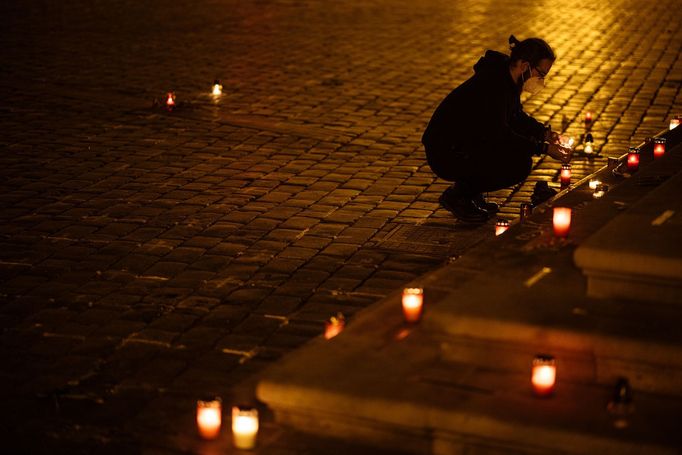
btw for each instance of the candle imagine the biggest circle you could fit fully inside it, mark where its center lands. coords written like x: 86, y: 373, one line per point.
x: 217, y: 88
x: 599, y: 191
x: 659, y: 147
x: 501, y: 226
x: 543, y: 376
x: 566, y: 141
x: 244, y: 427
x: 334, y: 326
x: 588, y: 117
x: 675, y: 121
x: 589, y: 148
x: 565, y: 174
x: 209, y: 418
x: 594, y: 183
x: 633, y: 159
x: 562, y: 221
x: 170, y: 100
x: 526, y: 210
x: 413, y: 303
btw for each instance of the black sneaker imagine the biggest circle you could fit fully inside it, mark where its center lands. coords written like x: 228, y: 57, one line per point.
x: 541, y: 193
x: 463, y: 207
x: 490, y: 207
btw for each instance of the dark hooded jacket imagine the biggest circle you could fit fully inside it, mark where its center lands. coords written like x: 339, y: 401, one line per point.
x: 483, y: 112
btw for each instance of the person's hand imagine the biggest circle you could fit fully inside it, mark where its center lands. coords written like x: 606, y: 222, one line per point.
x: 552, y: 137
x: 559, y: 152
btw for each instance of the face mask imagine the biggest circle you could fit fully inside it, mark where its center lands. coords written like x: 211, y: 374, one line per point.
x: 533, y: 84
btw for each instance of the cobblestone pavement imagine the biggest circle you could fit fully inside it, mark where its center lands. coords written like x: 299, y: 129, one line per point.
x: 148, y: 258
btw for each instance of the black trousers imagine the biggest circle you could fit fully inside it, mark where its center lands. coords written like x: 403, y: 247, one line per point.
x: 480, y: 168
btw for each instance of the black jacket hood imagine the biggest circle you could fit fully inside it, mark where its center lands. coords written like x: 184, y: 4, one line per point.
x: 493, y: 65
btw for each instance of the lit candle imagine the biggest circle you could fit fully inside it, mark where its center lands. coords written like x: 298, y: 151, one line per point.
x: 589, y: 147
x: 588, y: 117
x: 209, y: 418
x: 562, y: 221
x: 565, y: 174
x: 244, y: 427
x: 217, y: 88
x: 543, y: 376
x: 633, y: 159
x: 501, y: 226
x: 566, y: 141
x: 600, y: 191
x: 170, y: 100
x: 675, y: 121
x: 659, y: 147
x: 594, y: 183
x: 334, y: 326
x: 525, y: 211
x: 413, y: 303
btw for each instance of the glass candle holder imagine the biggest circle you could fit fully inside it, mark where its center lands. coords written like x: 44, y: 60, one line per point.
x: 413, y: 304
x: 334, y: 326
x: 501, y: 226
x: 675, y: 121
x: 633, y: 159
x: 589, y: 144
x: 561, y: 221
x: 209, y: 418
x: 659, y: 147
x: 217, y: 88
x: 599, y: 191
x: 588, y: 118
x: 594, y: 183
x: 565, y: 175
x: 525, y: 210
x: 244, y: 427
x: 543, y: 375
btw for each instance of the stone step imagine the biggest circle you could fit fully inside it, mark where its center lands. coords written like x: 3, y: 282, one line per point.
x: 460, y: 379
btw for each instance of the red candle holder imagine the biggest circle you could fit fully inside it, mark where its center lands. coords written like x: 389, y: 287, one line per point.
x: 565, y: 175
x: 209, y: 418
x: 413, y: 304
x: 633, y: 159
x: 334, y: 326
x: 659, y: 147
x: 561, y: 221
x: 543, y: 375
x: 501, y: 226
x: 588, y: 118
x: 170, y: 101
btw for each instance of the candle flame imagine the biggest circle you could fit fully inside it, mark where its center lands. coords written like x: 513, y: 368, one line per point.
x: 217, y: 89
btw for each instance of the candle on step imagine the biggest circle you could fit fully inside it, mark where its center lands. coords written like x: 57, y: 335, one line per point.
x: 334, y: 326
x: 659, y: 147
x: 170, y: 100
x: 413, y: 304
x: 594, y: 183
x: 599, y: 191
x: 526, y: 210
x: 561, y: 221
x: 244, y: 427
x: 209, y: 418
x: 217, y: 88
x: 565, y: 175
x: 501, y: 226
x: 543, y: 376
x: 633, y: 159
x: 675, y: 121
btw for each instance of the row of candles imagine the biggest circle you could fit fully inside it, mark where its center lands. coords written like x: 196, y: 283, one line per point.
x: 675, y: 120
x: 244, y: 422
x: 216, y: 91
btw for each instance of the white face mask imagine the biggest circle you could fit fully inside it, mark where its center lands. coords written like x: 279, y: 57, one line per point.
x: 533, y: 84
